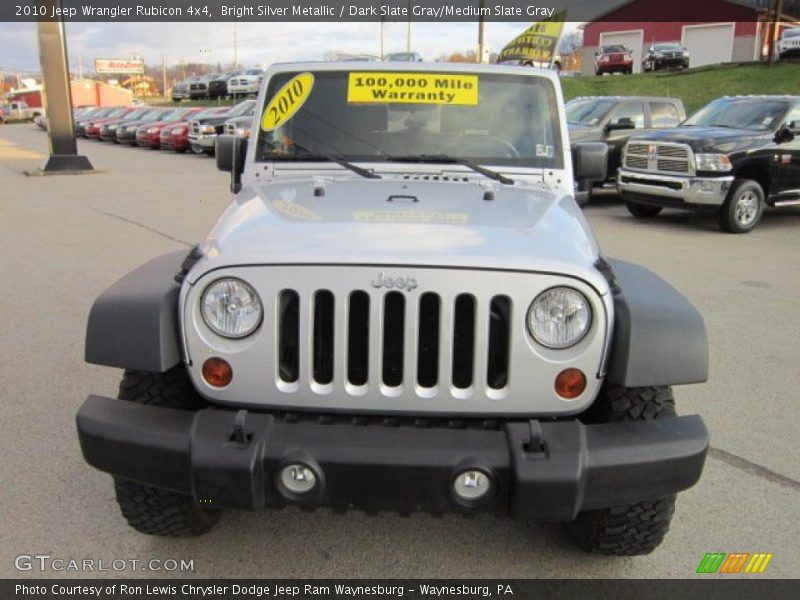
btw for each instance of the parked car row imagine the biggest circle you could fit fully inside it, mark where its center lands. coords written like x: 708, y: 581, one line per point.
x: 734, y: 157
x: 155, y: 127
x: 617, y: 58
x: 219, y: 85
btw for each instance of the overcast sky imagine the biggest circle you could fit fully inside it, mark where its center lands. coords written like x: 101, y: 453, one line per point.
x: 259, y: 43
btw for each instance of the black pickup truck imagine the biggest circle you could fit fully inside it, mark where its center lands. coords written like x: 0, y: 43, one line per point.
x: 734, y: 157
x: 613, y: 120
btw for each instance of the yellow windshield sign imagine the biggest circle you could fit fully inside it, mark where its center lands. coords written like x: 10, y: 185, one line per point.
x: 287, y: 101
x: 412, y: 88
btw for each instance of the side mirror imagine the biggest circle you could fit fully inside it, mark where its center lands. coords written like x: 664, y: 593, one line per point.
x: 785, y: 134
x: 231, y: 152
x: 591, y: 162
x: 623, y: 123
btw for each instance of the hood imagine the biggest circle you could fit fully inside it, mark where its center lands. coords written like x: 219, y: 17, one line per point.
x: 708, y: 139
x: 237, y: 121
x: 403, y: 222
x: 211, y: 120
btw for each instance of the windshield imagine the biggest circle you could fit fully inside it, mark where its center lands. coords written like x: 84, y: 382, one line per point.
x: 180, y: 114
x: 616, y: 48
x: 372, y: 116
x: 757, y: 115
x: 588, y: 112
x: 791, y: 33
x: 104, y: 112
x: 209, y: 112
x: 402, y: 56
x: 242, y: 108
x: 667, y: 47
x: 117, y: 113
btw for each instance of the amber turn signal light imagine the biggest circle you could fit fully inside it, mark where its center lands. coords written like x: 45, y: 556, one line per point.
x: 570, y: 383
x: 217, y: 372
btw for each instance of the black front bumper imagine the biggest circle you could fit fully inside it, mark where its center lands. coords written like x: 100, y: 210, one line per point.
x: 540, y: 470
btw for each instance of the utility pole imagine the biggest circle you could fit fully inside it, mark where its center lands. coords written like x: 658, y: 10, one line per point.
x: 235, y: 48
x: 408, y: 34
x: 775, y: 33
x: 382, y: 20
x: 479, y: 58
x: 164, y: 76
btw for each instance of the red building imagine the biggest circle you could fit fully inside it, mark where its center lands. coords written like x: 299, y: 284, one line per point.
x: 85, y: 92
x: 720, y: 30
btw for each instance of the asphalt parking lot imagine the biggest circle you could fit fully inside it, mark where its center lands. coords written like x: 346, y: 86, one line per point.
x: 64, y: 239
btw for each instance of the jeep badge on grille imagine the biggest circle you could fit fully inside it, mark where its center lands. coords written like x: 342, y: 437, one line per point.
x: 400, y: 283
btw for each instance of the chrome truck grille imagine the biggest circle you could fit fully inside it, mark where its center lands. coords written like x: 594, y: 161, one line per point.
x: 659, y: 158
x: 395, y: 339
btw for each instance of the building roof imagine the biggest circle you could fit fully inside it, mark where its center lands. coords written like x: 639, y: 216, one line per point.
x: 791, y: 8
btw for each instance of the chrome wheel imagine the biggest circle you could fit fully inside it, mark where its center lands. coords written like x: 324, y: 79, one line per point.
x: 746, y: 210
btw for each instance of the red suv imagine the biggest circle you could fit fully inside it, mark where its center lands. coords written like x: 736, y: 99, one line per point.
x: 613, y: 59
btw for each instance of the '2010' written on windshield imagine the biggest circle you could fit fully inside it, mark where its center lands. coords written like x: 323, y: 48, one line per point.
x: 412, y: 88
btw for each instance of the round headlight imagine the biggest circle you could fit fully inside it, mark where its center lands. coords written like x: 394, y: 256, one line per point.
x: 559, y: 317
x: 231, y: 308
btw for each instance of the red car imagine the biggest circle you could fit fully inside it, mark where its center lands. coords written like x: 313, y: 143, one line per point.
x: 613, y: 59
x: 149, y: 134
x: 92, y: 130
x: 177, y: 138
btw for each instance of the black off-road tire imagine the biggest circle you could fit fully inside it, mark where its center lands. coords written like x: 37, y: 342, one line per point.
x: 630, y: 529
x: 643, y: 211
x: 153, y: 510
x: 743, y: 208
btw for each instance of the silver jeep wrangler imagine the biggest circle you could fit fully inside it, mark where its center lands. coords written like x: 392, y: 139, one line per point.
x: 402, y: 309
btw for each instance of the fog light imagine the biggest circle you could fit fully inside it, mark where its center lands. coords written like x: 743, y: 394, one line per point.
x: 472, y: 485
x: 570, y: 383
x: 217, y: 372
x: 298, y: 479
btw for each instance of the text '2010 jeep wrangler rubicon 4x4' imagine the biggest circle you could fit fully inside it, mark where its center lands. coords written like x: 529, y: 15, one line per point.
x: 734, y: 157
x: 403, y: 309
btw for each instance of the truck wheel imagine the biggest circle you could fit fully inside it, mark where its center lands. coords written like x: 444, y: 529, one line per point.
x: 628, y: 529
x: 643, y: 211
x: 743, y: 207
x: 153, y: 510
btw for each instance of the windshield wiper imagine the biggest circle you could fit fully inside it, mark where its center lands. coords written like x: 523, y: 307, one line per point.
x: 335, y: 158
x: 447, y: 159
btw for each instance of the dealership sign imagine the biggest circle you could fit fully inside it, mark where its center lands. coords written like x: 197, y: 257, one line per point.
x: 114, y: 65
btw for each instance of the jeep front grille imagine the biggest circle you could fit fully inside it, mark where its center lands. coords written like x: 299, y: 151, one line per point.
x: 348, y: 338
x: 659, y: 158
x: 404, y: 334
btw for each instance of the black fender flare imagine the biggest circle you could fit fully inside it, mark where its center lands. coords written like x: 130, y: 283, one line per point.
x: 659, y: 336
x: 134, y: 323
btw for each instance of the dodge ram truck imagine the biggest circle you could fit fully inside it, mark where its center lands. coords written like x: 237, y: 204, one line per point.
x: 734, y: 157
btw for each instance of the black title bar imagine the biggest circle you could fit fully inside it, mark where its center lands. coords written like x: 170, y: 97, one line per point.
x: 418, y: 589
x: 375, y: 10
